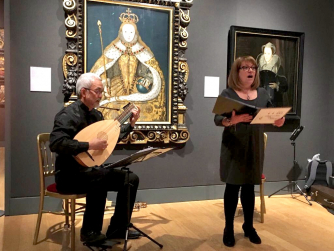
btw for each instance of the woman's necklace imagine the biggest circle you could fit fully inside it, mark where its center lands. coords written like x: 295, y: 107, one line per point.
x: 243, y: 93
x: 247, y: 95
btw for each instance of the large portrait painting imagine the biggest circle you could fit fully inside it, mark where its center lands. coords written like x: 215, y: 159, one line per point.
x: 138, y: 50
x: 136, y: 61
x: 279, y: 55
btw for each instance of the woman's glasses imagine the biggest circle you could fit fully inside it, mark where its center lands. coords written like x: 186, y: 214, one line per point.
x: 247, y: 68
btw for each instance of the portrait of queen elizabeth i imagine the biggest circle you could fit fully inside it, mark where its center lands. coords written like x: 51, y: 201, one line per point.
x: 130, y: 73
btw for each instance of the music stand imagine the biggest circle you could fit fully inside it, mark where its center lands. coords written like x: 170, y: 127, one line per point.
x: 294, y: 183
x: 139, y: 156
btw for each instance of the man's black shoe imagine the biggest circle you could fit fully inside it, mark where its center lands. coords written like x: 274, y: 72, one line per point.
x: 92, y: 237
x: 120, y: 234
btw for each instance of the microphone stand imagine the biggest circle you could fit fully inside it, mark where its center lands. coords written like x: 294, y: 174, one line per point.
x: 294, y: 183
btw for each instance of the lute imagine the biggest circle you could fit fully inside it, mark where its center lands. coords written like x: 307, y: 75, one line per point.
x: 108, y: 130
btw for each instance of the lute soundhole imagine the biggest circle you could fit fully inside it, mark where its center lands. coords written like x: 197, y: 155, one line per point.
x: 102, y: 136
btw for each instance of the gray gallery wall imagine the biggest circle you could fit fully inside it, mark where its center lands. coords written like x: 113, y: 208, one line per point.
x: 37, y: 39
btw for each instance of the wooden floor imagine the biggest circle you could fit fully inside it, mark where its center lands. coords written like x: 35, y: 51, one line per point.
x: 290, y: 224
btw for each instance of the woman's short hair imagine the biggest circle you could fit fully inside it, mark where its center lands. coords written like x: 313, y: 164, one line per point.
x: 85, y: 81
x: 233, y: 78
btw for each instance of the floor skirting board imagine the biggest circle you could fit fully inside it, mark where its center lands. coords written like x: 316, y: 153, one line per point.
x: 29, y: 205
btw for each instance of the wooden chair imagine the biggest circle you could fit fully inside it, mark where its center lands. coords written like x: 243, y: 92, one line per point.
x: 46, y: 161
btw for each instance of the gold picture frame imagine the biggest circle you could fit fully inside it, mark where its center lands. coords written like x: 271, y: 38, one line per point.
x: 149, y: 69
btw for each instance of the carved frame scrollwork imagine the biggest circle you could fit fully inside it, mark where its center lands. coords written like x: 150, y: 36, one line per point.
x: 73, y: 66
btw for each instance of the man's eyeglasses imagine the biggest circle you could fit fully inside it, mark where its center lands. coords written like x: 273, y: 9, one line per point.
x: 97, y: 92
x: 247, y: 68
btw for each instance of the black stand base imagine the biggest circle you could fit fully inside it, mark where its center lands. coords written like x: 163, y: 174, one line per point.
x: 101, y: 246
x: 145, y: 235
x: 2, y: 213
x: 294, y: 184
x: 296, y: 187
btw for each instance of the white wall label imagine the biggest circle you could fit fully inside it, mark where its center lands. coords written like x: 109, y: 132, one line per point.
x: 211, y: 87
x: 40, y: 79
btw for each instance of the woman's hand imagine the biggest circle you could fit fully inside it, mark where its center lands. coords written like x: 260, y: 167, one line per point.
x: 279, y: 122
x: 235, y: 119
x: 106, y: 92
x: 273, y: 86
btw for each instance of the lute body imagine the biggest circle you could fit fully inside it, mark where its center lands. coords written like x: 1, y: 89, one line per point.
x: 108, y: 130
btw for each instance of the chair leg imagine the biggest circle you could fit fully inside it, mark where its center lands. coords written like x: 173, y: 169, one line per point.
x: 239, y: 210
x: 263, y: 207
x: 264, y: 202
x: 39, y: 218
x: 67, y: 213
x: 73, y: 225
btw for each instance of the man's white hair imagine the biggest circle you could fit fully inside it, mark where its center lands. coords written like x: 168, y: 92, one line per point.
x: 85, y: 81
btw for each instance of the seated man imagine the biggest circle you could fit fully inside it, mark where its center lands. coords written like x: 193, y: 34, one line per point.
x: 95, y: 181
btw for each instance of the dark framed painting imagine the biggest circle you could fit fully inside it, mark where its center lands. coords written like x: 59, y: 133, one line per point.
x: 279, y: 55
x: 138, y: 50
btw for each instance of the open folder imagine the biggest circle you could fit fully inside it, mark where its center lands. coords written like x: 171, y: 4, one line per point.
x: 266, y: 115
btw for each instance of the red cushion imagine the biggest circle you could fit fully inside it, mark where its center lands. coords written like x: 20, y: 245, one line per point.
x: 52, y: 188
x: 263, y: 176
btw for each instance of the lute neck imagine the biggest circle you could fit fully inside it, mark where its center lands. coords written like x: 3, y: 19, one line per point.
x: 126, y: 114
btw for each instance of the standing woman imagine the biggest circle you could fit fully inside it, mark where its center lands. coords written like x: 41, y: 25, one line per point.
x: 242, y: 149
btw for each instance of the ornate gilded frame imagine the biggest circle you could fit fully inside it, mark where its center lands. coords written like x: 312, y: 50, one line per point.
x: 174, y: 130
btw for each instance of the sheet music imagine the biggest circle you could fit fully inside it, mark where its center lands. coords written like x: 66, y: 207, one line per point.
x: 270, y: 115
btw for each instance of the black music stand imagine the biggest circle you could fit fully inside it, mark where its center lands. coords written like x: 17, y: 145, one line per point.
x: 294, y: 184
x: 139, y: 156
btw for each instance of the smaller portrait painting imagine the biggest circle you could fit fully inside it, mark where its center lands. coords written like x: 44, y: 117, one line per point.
x: 279, y: 55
